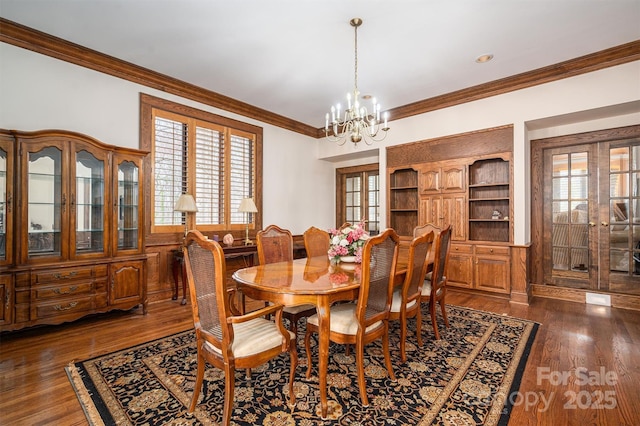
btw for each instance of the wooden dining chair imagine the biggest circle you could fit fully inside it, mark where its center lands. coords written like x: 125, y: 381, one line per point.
x: 434, y: 288
x: 425, y: 229
x: 276, y: 245
x: 405, y: 303
x: 316, y: 242
x: 225, y: 338
x: 367, y: 319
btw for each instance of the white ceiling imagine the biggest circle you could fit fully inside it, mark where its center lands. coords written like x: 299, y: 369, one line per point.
x: 296, y: 57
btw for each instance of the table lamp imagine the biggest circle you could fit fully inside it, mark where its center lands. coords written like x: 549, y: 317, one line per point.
x: 247, y: 206
x: 186, y: 204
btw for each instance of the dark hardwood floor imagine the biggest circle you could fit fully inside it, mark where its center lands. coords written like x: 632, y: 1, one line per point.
x: 584, y: 367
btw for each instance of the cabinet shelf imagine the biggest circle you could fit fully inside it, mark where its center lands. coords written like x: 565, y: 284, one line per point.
x: 403, y: 188
x: 489, y: 192
x: 485, y: 184
x: 403, y: 201
x: 489, y: 199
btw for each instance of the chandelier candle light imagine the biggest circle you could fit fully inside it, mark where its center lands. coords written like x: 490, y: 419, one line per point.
x: 357, y: 123
x: 247, y: 206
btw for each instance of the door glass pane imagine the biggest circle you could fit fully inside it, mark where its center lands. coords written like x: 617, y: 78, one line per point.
x: 373, y: 203
x: 619, y: 159
x: 352, y: 198
x: 570, y: 212
x: 620, y: 241
x: 45, y: 201
x: 3, y: 204
x: 89, y: 203
x: 128, y: 197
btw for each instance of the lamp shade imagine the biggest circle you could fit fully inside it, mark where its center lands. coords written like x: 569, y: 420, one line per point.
x: 186, y: 203
x: 247, y: 206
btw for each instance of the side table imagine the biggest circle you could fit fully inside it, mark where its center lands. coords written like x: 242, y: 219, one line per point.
x: 230, y: 252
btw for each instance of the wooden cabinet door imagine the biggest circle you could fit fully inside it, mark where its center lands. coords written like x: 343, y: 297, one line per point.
x: 460, y: 266
x: 128, y: 205
x: 7, y: 202
x: 431, y: 211
x: 453, y: 178
x: 126, y: 283
x: 492, y: 269
x: 453, y: 213
x: 6, y: 299
x: 429, y: 180
x: 89, y: 208
x: 44, y: 177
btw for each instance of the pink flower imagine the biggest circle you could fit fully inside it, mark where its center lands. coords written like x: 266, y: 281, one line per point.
x: 348, y: 241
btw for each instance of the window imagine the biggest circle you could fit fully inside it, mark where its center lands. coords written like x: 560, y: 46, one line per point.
x: 358, y: 190
x: 216, y: 159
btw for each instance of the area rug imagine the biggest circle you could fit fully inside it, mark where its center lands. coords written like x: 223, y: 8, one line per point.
x: 465, y: 378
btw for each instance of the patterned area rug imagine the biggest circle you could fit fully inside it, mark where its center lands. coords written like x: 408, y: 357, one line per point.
x: 465, y: 378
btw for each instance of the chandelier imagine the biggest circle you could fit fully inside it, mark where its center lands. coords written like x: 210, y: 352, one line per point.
x: 357, y: 123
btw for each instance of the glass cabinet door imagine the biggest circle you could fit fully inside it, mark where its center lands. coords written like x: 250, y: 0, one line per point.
x: 127, y: 205
x: 88, y: 202
x: 6, y: 201
x: 45, y: 202
x: 3, y: 204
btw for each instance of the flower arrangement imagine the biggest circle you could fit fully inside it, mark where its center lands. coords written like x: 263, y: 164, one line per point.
x: 348, y: 242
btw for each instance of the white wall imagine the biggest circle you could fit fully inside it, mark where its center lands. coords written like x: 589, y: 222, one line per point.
x: 37, y: 92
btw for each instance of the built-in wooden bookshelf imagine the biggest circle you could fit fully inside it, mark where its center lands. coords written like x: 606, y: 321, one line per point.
x: 403, y: 200
x: 489, y: 200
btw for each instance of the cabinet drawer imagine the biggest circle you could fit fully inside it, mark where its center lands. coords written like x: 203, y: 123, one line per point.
x: 492, y: 250
x: 461, y: 248
x: 67, y: 274
x: 63, y: 307
x: 52, y: 292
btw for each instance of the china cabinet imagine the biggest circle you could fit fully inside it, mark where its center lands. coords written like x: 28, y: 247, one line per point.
x: 77, y: 247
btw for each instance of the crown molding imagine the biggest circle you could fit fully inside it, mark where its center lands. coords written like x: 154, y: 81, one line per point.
x: 46, y: 44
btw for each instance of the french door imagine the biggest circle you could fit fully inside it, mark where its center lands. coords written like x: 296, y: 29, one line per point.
x: 591, y: 216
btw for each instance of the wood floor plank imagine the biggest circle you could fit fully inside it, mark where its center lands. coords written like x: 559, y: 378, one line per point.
x: 34, y: 388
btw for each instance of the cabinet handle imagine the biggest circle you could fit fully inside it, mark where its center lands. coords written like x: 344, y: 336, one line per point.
x: 71, y: 305
x: 64, y: 277
x: 9, y: 200
x: 604, y: 224
x: 71, y: 290
x: 7, y: 298
x: 73, y: 203
x: 592, y: 224
x: 490, y: 250
x: 64, y: 202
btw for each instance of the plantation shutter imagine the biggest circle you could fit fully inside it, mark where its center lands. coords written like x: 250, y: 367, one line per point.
x: 214, y: 163
x: 242, y: 173
x: 209, y: 192
x: 170, y: 169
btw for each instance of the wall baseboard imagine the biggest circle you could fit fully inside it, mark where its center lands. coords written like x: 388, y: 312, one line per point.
x: 624, y: 301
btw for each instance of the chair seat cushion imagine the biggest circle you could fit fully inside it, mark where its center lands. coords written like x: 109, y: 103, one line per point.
x: 426, y: 288
x: 297, y: 309
x: 252, y: 337
x: 343, y: 319
x: 396, y: 302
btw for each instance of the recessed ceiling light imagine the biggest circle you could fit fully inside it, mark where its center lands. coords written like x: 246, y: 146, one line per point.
x: 484, y: 58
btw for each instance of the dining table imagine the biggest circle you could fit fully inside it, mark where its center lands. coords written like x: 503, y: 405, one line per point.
x: 313, y: 280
